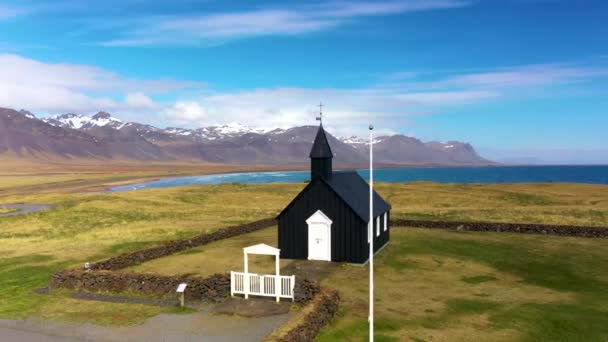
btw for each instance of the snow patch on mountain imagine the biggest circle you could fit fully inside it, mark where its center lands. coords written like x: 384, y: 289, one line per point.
x: 79, y: 121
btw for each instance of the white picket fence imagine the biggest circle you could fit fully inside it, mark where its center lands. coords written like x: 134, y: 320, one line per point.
x: 262, y: 285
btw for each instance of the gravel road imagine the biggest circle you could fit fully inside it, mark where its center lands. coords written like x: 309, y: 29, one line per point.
x: 199, y: 326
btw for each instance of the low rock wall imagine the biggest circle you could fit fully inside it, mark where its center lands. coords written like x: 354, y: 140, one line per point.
x: 561, y: 230
x: 171, y: 247
x: 214, y: 288
x: 304, y: 291
x: 324, y: 307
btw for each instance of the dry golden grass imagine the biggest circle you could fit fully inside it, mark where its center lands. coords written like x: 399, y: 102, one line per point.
x: 89, y: 226
x: 568, y: 204
x: 217, y: 257
x: 16, y: 164
x: 61, y: 308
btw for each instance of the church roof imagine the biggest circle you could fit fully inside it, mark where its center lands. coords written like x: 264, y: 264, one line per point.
x: 354, y: 190
x: 320, y: 148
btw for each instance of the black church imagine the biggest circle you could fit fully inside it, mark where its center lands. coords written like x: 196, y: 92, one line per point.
x: 328, y: 219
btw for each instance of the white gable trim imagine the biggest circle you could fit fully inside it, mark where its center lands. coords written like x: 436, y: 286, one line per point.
x: 261, y: 249
x: 319, y: 217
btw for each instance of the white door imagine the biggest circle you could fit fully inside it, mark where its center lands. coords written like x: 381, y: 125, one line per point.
x: 318, y: 241
x: 319, y: 237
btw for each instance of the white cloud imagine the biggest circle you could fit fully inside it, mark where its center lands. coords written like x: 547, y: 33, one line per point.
x: 49, y: 88
x: 140, y: 100
x: 214, y: 28
x: 367, y: 8
x: 529, y: 76
x: 500, y: 78
x: 348, y: 111
x: 52, y: 87
x: 186, y: 113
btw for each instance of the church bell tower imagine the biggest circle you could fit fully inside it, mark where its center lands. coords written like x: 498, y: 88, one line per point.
x: 320, y: 156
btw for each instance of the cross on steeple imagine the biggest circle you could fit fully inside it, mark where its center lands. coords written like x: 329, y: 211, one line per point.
x: 320, y: 117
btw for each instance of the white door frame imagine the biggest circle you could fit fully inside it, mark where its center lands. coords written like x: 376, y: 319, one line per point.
x: 320, y: 219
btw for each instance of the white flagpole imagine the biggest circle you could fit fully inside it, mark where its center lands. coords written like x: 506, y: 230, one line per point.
x: 371, y: 234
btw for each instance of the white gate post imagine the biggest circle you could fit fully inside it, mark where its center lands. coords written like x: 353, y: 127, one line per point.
x: 277, y: 279
x: 293, y: 284
x: 232, y: 283
x: 246, y: 280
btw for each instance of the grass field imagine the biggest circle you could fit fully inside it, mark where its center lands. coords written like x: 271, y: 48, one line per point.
x: 6, y: 210
x: 86, y: 227
x: 19, y: 179
x: 196, y: 261
x: 449, y: 286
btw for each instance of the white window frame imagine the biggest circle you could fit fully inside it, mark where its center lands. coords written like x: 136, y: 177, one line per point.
x: 378, y: 225
x: 385, y: 221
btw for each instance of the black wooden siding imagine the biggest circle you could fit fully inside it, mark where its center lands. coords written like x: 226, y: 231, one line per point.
x: 320, y: 167
x: 348, y: 231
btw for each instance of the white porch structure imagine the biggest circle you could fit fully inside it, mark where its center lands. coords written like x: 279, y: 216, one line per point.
x: 266, y: 285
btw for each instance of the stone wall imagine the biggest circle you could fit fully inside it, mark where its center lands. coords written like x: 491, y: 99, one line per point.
x: 561, y: 230
x: 305, y: 290
x: 171, y: 247
x: 214, y: 288
x: 318, y: 314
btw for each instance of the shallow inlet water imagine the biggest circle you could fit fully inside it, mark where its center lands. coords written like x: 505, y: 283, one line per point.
x: 483, y: 175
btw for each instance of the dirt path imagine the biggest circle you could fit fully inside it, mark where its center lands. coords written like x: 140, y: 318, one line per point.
x: 10, y: 334
x: 22, y: 209
x: 200, y: 326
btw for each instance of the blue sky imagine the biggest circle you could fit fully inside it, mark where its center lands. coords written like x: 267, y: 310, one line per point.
x: 516, y: 78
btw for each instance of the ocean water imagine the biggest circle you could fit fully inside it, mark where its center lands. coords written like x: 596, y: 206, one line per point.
x: 482, y: 175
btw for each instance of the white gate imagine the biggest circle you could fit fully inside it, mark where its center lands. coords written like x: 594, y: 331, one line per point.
x: 276, y: 285
x: 262, y: 285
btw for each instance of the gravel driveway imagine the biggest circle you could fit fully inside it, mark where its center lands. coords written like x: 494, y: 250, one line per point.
x: 200, y: 326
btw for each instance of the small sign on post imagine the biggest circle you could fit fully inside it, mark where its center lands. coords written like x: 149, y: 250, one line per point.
x: 181, y: 288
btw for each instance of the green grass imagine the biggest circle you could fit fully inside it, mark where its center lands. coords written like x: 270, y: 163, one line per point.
x: 478, y: 279
x: 225, y: 256
x: 432, y: 269
x: 479, y: 286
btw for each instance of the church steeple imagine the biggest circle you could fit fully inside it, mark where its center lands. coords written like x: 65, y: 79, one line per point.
x: 321, y: 156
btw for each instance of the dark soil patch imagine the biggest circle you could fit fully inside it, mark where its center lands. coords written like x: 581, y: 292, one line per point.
x: 310, y: 270
x: 258, y: 307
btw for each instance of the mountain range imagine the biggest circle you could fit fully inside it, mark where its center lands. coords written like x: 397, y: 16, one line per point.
x: 102, y: 136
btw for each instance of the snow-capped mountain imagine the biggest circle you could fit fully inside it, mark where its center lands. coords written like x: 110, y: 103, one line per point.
x: 78, y: 121
x: 104, y: 136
